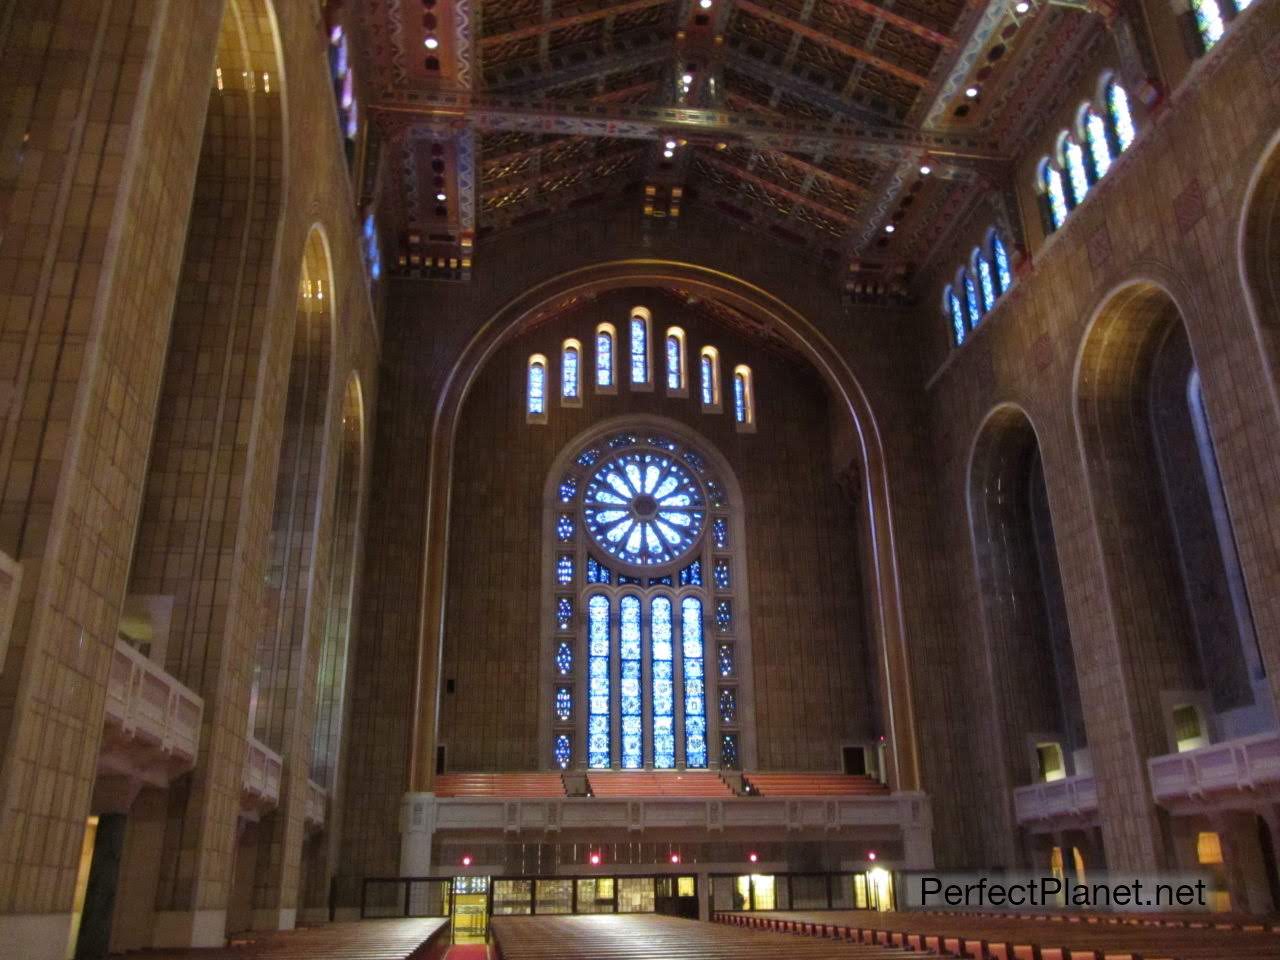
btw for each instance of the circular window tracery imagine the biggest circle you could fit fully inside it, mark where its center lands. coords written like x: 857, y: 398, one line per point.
x: 642, y: 506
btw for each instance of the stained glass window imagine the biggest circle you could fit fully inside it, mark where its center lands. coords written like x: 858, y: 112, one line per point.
x: 971, y: 299
x: 664, y: 724
x: 537, y: 388
x: 1003, y: 273
x: 564, y: 703
x: 729, y: 751
x: 1119, y: 115
x: 725, y: 659
x: 988, y: 283
x: 624, y: 579
x: 724, y: 616
x: 1056, y: 194
x: 643, y: 508
x: 720, y: 573
x: 957, y: 315
x: 1095, y: 134
x: 564, y: 613
x: 675, y: 363
x: 563, y: 751
x: 691, y: 576
x: 720, y: 532
x: 569, y: 373
x: 739, y: 398
x: 343, y: 85
x: 661, y: 581
x: 564, y: 658
x: 604, y: 358
x: 1073, y: 158
x: 597, y: 572
x: 372, y: 250
x: 587, y: 457
x: 695, y: 713
x: 639, y: 350
x: 564, y: 527
x: 728, y: 705
x: 709, y: 368
x: 598, y: 746
x: 564, y: 569
x: 630, y: 694
x: 1208, y: 21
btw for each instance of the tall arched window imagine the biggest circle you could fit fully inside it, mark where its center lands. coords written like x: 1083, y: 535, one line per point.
x: 1004, y: 275
x: 344, y: 88
x: 677, y: 379
x: 372, y: 252
x: 1094, y: 130
x: 571, y: 373
x: 1073, y: 163
x: 985, y: 280
x: 645, y: 541
x: 744, y: 398
x: 639, y: 338
x: 1054, y: 193
x: 1119, y: 116
x: 606, y: 363
x: 1209, y: 21
x: 709, y: 375
x: 955, y: 312
x: 536, y: 390
x: 971, y: 299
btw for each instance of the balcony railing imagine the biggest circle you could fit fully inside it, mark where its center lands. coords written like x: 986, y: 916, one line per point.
x: 1071, y: 801
x: 261, y: 789
x: 316, y: 806
x: 1235, y: 773
x: 152, y: 722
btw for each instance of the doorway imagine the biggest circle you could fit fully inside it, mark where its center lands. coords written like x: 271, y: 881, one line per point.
x: 470, y: 913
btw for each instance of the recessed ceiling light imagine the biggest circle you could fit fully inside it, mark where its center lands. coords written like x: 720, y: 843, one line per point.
x: 668, y: 154
x: 971, y: 92
x: 889, y: 228
x: 441, y: 197
x: 687, y: 79
x: 926, y: 170
x: 705, y: 4
x: 431, y: 42
x: 671, y: 144
x: 1021, y: 7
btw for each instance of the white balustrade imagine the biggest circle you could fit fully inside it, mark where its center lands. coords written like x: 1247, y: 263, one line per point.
x: 1234, y: 774
x: 1065, y: 803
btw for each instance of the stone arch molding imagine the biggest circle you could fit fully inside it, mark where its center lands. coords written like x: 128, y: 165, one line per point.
x: 548, y: 297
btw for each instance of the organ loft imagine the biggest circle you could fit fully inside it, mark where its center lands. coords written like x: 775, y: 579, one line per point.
x: 636, y: 479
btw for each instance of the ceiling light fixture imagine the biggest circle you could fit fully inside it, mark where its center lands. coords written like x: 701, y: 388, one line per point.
x: 705, y: 4
x: 925, y: 170
x: 889, y: 228
x: 668, y: 154
x: 1021, y: 7
x: 671, y: 144
x: 431, y: 42
x: 442, y: 197
x: 971, y: 92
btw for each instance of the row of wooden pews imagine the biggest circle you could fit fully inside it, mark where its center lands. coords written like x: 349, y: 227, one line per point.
x: 516, y: 786
x: 659, y: 783
x: 358, y: 940
x: 1006, y: 937
x: 649, y: 937
x: 813, y: 785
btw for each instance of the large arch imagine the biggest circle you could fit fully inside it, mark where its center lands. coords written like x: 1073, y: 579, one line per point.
x: 548, y: 297
x: 1259, y: 258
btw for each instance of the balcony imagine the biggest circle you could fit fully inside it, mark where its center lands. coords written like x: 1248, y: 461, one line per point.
x: 1235, y: 774
x: 1059, y: 804
x: 316, y: 807
x: 151, y: 723
x: 260, y: 792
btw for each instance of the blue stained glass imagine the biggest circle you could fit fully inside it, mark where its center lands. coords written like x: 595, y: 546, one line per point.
x: 988, y: 284
x: 1208, y: 21
x: 620, y: 440
x: 957, y: 316
x: 729, y: 751
x: 604, y: 359
x: 675, y: 375
x: 1057, y: 196
x: 564, y: 613
x: 715, y: 493
x: 1003, y: 273
x: 568, y: 488
x: 728, y: 705
x: 587, y: 457
x: 598, y: 749
x: 563, y: 751
x: 725, y: 660
x: 721, y: 573
x: 639, y: 350
x: 1095, y: 133
x: 564, y: 569
x: 661, y: 581
x: 629, y: 670
x: 691, y: 576
x: 1120, y: 116
x: 564, y: 703
x: 660, y: 629
x: 739, y: 398
x: 720, y: 532
x: 569, y: 373
x: 564, y: 659
x: 643, y: 507
x: 624, y: 580
x: 597, y: 572
x: 971, y: 298
x: 372, y: 251
x: 537, y: 388
x: 1073, y: 156
x: 707, y: 367
x: 564, y: 527
x: 724, y: 615
x: 695, y: 724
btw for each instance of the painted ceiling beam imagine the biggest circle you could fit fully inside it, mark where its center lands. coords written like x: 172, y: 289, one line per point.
x: 733, y: 170
x: 831, y: 43
x: 512, y: 184
x: 574, y: 20
x: 407, y: 108
x: 901, y: 22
